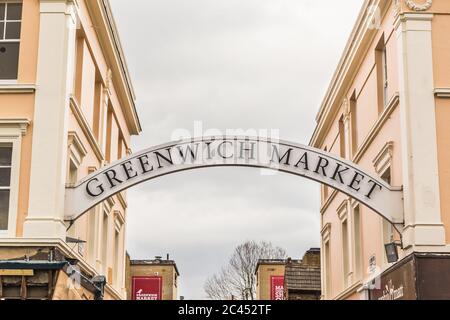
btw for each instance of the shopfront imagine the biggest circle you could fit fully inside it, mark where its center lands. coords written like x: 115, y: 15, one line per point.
x: 417, y: 277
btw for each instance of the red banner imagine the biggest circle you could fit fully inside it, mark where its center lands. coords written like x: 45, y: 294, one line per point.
x: 277, y: 288
x: 147, y: 288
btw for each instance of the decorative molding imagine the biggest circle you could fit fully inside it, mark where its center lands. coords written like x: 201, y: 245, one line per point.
x: 393, y: 103
x: 92, y: 169
x: 21, y: 124
x: 342, y: 211
x: 108, y: 205
x: 76, y: 148
x: 397, y: 7
x: 108, y: 37
x: 328, y: 201
x: 6, y: 88
x: 442, y: 93
x: 349, y: 291
x: 384, y: 158
x: 326, y: 232
x: 122, y: 200
x: 356, y: 48
x: 86, y: 128
x: 419, y: 7
x: 346, y: 112
x: 119, y: 220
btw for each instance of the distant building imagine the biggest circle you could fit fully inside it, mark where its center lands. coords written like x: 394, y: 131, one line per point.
x: 151, y: 279
x: 280, y: 279
x: 302, y: 278
x: 270, y: 279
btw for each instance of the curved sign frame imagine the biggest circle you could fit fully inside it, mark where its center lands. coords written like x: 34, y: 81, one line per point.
x: 224, y: 151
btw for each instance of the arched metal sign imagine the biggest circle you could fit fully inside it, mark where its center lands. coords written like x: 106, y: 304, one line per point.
x: 226, y: 151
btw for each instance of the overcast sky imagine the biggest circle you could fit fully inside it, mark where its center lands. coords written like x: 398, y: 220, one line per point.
x: 231, y: 64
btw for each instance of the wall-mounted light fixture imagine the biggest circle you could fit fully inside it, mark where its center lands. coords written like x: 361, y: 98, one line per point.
x: 392, y: 251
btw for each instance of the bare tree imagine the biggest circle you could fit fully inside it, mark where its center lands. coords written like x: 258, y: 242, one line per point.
x: 238, y: 279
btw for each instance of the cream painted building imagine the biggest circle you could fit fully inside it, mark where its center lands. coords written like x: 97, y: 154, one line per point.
x: 66, y: 109
x: 270, y: 276
x: 156, y: 279
x: 387, y: 109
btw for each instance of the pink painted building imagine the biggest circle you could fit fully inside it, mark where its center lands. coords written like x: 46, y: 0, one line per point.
x: 387, y: 109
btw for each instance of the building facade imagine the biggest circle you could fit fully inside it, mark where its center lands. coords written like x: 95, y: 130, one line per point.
x: 387, y: 109
x: 270, y: 279
x: 152, y: 279
x: 302, y: 278
x: 288, y: 279
x: 66, y: 109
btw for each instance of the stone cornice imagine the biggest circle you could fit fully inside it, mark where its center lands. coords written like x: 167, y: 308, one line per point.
x: 9, y: 88
x: 442, y: 93
x: 360, y: 39
x: 21, y: 124
x: 102, y: 17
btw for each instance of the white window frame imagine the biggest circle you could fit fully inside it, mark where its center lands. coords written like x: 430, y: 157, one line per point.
x: 11, y: 132
x: 11, y: 81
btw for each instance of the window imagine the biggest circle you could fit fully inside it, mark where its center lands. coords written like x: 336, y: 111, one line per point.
x: 11, y: 133
x: 345, y: 238
x: 10, y: 27
x: 354, y: 124
x: 383, y: 164
x: 120, y: 148
x: 109, y: 124
x: 326, y: 265
x: 5, y: 184
x: 92, y: 239
x: 325, y: 192
x: 385, y: 75
x: 327, y: 255
x: 382, y: 74
x: 105, y: 242
x: 345, y: 254
x: 116, y: 256
x: 342, y: 140
x: 357, y: 241
x: 73, y: 173
x: 388, y: 229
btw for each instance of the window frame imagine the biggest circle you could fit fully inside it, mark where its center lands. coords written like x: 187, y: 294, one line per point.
x: 346, y: 225
x: 326, y: 268
x: 357, y: 244
x: 3, y: 37
x: 11, y: 132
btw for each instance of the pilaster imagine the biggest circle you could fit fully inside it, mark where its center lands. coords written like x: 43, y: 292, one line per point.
x: 54, y: 85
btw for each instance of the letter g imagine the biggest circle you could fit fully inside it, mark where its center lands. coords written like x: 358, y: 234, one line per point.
x: 98, y: 187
